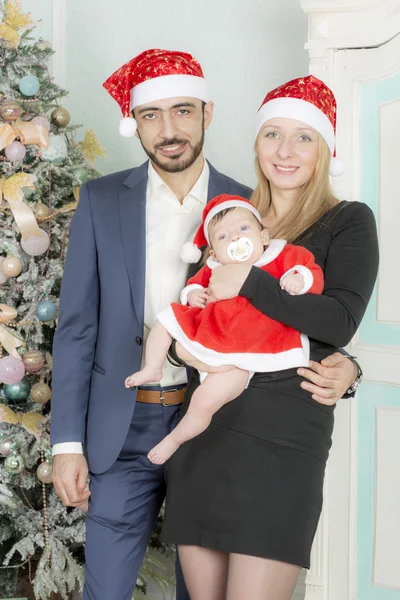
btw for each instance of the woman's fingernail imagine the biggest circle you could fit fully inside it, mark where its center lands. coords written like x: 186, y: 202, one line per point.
x: 304, y: 385
x: 301, y: 371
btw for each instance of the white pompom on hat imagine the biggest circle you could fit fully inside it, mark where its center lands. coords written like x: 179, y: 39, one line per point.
x: 191, y: 252
x: 154, y: 75
x: 306, y: 99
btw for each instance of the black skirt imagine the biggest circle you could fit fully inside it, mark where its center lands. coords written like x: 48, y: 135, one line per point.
x: 252, y: 482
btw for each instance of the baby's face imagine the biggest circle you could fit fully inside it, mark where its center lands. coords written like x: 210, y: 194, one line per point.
x: 237, y: 223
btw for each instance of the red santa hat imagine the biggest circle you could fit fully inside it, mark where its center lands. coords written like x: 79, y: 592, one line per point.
x: 309, y: 100
x: 154, y: 75
x: 191, y: 253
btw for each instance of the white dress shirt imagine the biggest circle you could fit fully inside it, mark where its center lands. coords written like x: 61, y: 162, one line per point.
x: 169, y: 225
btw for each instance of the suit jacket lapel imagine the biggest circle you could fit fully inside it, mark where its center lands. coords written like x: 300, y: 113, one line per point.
x: 132, y: 207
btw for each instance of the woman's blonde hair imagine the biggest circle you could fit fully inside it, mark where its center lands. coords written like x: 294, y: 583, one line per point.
x: 315, y: 199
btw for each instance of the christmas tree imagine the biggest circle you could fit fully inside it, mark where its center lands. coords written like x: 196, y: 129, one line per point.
x: 41, y: 170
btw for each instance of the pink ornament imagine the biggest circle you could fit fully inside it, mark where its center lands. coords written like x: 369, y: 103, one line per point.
x: 41, y: 122
x: 12, y: 369
x: 35, y: 245
x: 33, y: 360
x: 3, y: 276
x: 15, y: 151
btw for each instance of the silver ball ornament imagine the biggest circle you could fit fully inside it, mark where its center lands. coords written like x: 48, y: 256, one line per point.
x: 14, y: 464
x: 44, y: 472
x: 5, y: 447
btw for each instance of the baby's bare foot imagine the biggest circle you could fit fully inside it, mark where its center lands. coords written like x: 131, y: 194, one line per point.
x: 161, y: 453
x: 146, y: 375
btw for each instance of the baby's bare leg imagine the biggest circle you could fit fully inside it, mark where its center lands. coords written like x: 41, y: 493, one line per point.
x: 192, y: 361
x: 157, y: 345
x: 218, y: 389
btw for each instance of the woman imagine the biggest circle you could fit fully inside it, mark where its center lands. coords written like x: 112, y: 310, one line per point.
x: 244, y: 497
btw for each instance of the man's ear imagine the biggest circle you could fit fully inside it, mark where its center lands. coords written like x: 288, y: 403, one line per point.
x: 208, y: 113
x: 265, y: 237
x: 133, y: 117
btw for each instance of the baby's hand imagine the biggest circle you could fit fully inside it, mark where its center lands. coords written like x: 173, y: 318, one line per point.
x: 292, y: 283
x: 197, y: 298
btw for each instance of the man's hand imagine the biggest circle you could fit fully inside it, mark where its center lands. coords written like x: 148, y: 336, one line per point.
x: 329, y: 380
x: 227, y: 280
x: 70, y: 472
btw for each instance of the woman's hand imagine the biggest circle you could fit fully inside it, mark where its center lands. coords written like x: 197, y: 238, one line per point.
x: 226, y: 281
x: 330, y: 380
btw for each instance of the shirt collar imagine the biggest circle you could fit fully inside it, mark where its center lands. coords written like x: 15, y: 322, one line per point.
x: 199, y: 191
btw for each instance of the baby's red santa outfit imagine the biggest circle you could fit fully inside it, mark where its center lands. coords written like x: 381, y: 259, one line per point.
x: 233, y: 332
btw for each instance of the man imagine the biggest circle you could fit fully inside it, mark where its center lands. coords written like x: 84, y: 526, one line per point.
x: 123, y: 266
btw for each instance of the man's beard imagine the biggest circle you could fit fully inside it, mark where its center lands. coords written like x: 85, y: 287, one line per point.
x: 176, y: 165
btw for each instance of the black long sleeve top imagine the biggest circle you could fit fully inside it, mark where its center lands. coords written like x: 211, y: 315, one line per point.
x: 345, y: 245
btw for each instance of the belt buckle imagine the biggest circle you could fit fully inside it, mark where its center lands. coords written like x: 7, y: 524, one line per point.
x: 162, y: 397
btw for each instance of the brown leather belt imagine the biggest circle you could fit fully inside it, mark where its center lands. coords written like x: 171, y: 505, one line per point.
x: 166, y: 398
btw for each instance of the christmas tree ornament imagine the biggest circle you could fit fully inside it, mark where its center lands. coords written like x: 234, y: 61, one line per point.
x: 76, y: 192
x: 36, y: 245
x: 10, y: 110
x: 29, y: 85
x: 34, y: 241
x: 3, y: 277
x: 40, y: 393
x: 41, y: 122
x: 11, y: 266
x: 46, y: 311
x: 41, y: 211
x: 44, y: 472
x: 91, y: 147
x: 32, y: 421
x: 32, y: 133
x: 14, y: 19
x: 18, y: 392
x: 57, y: 149
x: 80, y: 173
x: 14, y: 463
x: 27, y: 131
x: 9, y: 340
x: 5, y: 447
x: 60, y: 117
x: 12, y: 369
x: 33, y: 361
x: 8, y: 133
x: 15, y: 151
x: 42, y: 44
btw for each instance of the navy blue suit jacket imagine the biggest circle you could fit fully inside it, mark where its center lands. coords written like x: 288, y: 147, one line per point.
x: 98, y: 341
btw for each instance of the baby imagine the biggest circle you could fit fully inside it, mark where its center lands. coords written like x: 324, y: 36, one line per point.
x: 230, y: 338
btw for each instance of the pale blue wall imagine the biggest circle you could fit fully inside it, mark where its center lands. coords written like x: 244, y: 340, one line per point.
x: 245, y: 48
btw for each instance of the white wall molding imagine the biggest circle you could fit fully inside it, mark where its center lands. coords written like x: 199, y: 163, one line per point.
x: 352, y: 24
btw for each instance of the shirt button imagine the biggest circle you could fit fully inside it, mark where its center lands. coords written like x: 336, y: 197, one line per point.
x: 139, y: 341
